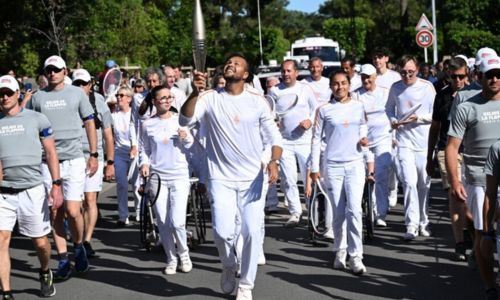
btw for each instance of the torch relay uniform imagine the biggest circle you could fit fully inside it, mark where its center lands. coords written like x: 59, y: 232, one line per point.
x: 380, y: 143
x: 236, y: 126
x: 412, y: 142
x: 296, y: 141
x: 343, y: 125
x: 165, y: 152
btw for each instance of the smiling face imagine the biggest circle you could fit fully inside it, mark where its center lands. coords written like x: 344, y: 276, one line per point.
x: 235, y: 69
x: 163, y: 100
x: 123, y: 97
x: 409, y: 73
x: 368, y: 81
x: 380, y: 62
x: 316, y: 69
x: 339, y: 84
x: 289, y: 73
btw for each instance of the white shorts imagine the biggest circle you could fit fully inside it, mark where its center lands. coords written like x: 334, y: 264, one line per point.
x: 94, y: 183
x: 72, y: 172
x: 29, y: 208
x: 475, y: 201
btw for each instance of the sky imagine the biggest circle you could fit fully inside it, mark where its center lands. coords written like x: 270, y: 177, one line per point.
x: 307, y: 6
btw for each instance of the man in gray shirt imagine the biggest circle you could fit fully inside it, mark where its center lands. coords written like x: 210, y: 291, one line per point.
x: 23, y: 133
x: 475, y: 124
x: 66, y: 106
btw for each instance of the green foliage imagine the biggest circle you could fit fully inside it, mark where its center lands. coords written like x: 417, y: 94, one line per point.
x: 350, y: 35
x: 28, y: 61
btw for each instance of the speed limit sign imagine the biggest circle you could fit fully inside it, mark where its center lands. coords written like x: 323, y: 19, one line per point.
x: 424, y: 38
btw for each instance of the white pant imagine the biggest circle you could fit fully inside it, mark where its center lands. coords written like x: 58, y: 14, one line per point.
x: 383, y: 168
x: 229, y: 198
x: 170, y: 209
x: 122, y: 165
x: 394, y: 172
x: 293, y: 153
x: 416, y: 185
x: 345, y: 189
x: 475, y: 201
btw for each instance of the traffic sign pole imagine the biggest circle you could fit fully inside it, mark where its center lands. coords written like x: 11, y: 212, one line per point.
x: 425, y: 54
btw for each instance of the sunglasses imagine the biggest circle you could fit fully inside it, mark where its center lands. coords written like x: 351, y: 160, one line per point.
x: 408, y: 73
x: 492, y: 74
x: 49, y: 70
x: 165, y: 98
x: 80, y: 83
x: 7, y: 92
x: 458, y: 76
x: 121, y: 95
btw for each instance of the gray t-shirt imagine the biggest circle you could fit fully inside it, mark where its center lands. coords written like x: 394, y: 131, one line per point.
x: 492, y: 166
x: 21, y: 150
x: 476, y: 123
x: 65, y: 110
x: 463, y: 95
x: 104, y: 116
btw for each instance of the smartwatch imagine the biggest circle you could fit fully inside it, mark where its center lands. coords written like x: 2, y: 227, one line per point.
x: 57, y: 182
x: 94, y: 154
x: 110, y: 162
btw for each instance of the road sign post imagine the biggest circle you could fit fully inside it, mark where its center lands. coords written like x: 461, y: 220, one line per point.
x: 424, y: 39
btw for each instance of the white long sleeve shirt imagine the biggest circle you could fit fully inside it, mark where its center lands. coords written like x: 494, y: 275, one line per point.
x: 343, y: 125
x: 379, y: 126
x: 235, y: 127
x: 162, y: 149
x: 121, y: 123
x: 304, y: 110
x: 402, y: 97
x: 321, y: 88
x: 387, y: 79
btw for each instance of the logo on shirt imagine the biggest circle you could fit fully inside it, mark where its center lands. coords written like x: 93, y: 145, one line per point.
x: 55, y: 104
x: 9, y: 130
x: 236, y: 120
x: 490, y: 117
x: 345, y: 123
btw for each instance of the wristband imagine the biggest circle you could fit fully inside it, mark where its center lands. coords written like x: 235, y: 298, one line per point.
x: 110, y: 162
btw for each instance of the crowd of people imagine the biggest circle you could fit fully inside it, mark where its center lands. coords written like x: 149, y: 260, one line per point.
x: 58, y: 144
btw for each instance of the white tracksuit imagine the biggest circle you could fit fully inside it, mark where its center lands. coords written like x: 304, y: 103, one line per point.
x: 343, y: 125
x: 412, y: 142
x: 380, y: 141
x: 165, y: 153
x: 296, y: 141
x: 235, y: 127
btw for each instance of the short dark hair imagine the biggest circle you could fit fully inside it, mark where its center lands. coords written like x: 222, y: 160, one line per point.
x: 249, y: 65
x: 339, y: 72
x: 293, y: 61
x: 380, y: 51
x: 349, y: 59
x: 456, y: 63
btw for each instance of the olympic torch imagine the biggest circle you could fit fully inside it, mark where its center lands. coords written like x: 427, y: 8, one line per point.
x: 199, y: 49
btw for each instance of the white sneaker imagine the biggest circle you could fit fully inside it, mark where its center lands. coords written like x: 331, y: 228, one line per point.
x: 393, y: 198
x: 411, y: 233
x: 293, y: 221
x: 356, y: 265
x: 244, y: 294
x: 285, y: 202
x: 138, y: 217
x: 339, y: 262
x: 380, y: 222
x: 228, y: 280
x: 424, y: 231
x: 329, y: 234
x: 186, y: 265
x: 262, y: 259
x: 171, y: 268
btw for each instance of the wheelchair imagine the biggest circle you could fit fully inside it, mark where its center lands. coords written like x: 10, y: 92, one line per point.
x: 147, y: 225
x: 316, y: 213
x: 368, y: 211
x: 196, y: 224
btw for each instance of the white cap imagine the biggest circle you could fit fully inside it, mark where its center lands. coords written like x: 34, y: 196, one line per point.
x: 483, y: 53
x: 489, y: 63
x: 368, y: 69
x: 55, y: 61
x: 67, y: 80
x: 9, y: 82
x: 462, y: 57
x: 81, y: 74
x: 471, y: 61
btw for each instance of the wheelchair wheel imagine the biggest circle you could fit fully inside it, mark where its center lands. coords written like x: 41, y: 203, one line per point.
x: 148, y: 231
x: 316, y: 214
x: 195, y: 215
x: 368, y: 212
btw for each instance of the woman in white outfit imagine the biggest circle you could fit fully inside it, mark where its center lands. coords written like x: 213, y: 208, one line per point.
x: 162, y: 148
x: 121, y: 121
x: 342, y: 123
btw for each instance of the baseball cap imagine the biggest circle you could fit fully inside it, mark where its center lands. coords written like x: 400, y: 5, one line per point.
x: 9, y: 82
x: 483, y: 53
x: 489, y: 63
x: 67, y: 80
x: 55, y: 61
x: 462, y: 57
x: 81, y: 74
x: 368, y: 69
x: 471, y: 61
x: 110, y: 64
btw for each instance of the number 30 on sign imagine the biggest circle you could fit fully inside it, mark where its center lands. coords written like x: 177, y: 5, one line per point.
x: 424, y: 38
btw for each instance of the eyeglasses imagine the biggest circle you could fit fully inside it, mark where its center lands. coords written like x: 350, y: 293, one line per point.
x: 49, y: 70
x: 80, y: 83
x: 6, y: 92
x: 492, y: 73
x: 458, y: 76
x: 407, y: 73
x: 168, y: 98
x: 121, y: 95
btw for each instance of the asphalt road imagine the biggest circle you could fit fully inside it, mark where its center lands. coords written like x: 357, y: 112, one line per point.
x: 421, y: 269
